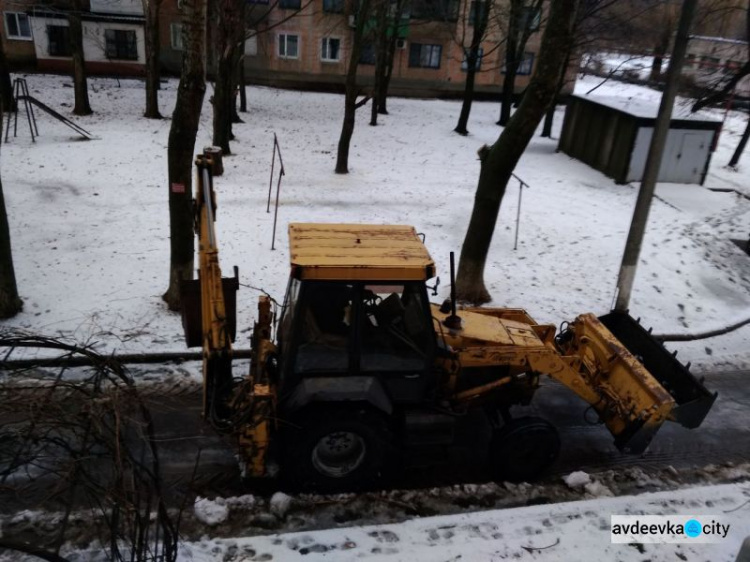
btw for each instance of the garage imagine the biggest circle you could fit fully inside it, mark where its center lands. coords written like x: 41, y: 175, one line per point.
x: 613, y: 135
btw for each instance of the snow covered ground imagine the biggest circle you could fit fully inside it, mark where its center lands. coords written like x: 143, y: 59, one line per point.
x: 561, y: 532
x: 89, y: 224
x: 89, y: 220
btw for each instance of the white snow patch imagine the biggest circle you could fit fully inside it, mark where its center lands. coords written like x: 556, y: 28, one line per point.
x: 279, y: 504
x: 597, y: 489
x: 211, y: 512
x: 577, y: 479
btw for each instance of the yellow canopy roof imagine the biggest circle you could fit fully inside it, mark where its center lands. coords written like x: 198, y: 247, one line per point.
x: 358, y: 251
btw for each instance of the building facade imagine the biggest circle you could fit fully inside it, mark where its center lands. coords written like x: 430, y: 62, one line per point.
x: 291, y: 43
x: 36, y: 34
x: 307, y: 44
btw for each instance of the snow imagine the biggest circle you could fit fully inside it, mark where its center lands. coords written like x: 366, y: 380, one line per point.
x: 647, y: 108
x: 89, y: 220
x: 279, y: 504
x: 211, y: 512
x: 577, y: 479
x: 547, y: 533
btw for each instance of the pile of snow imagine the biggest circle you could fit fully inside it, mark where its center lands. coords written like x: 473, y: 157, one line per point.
x: 211, y: 512
x: 577, y: 479
x: 279, y: 504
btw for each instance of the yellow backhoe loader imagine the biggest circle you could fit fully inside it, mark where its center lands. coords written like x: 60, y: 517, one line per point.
x: 360, y: 367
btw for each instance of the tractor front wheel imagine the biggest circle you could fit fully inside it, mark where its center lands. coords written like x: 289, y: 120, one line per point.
x: 523, y: 449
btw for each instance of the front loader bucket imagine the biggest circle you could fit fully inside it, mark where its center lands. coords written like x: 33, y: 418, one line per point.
x: 692, y: 399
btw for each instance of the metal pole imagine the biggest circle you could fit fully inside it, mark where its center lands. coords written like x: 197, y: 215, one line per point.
x: 276, y: 206
x: 521, y: 185
x: 30, y: 107
x: 653, y: 162
x: 270, y: 180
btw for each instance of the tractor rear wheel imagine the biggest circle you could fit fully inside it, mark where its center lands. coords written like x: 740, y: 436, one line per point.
x: 340, y: 450
x: 523, y: 449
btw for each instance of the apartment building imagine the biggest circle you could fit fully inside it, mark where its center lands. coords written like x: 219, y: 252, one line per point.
x: 36, y: 34
x: 307, y: 44
x: 710, y: 59
x: 291, y: 43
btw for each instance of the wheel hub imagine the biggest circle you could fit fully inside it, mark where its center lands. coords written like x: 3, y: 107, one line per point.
x: 338, y: 454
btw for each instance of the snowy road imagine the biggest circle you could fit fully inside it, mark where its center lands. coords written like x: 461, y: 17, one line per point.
x: 724, y: 436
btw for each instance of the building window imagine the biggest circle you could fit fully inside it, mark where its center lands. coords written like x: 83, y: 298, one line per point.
x: 435, y: 10
x: 477, y: 9
x: 17, y: 26
x: 425, y: 56
x: 367, y: 55
x: 477, y: 65
x: 175, y: 36
x: 333, y: 6
x: 330, y: 49
x: 525, y: 66
x: 58, y: 41
x: 530, y: 19
x: 710, y: 64
x: 251, y: 45
x: 288, y: 46
x: 121, y: 44
x: 290, y: 4
x: 732, y: 66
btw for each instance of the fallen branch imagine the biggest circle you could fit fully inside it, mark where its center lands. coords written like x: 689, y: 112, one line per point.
x: 531, y: 549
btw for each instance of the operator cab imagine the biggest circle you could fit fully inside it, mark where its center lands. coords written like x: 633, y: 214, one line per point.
x: 357, y: 306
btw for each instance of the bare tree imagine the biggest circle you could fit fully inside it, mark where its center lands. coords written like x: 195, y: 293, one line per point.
x: 6, y: 88
x: 480, y: 18
x: 229, y: 41
x: 525, y: 18
x: 352, y: 90
x: 397, y: 25
x: 180, y: 150
x: 10, y: 303
x: 233, y: 18
x: 80, y: 82
x: 152, y: 11
x: 498, y: 161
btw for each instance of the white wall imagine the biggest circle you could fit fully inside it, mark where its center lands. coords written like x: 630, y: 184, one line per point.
x: 117, y: 6
x: 94, y: 49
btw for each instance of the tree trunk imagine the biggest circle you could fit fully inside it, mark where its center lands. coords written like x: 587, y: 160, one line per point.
x: 181, y: 148
x: 80, y: 84
x: 661, y: 49
x: 351, y: 89
x: 10, y: 303
x: 549, y: 116
x: 481, y: 17
x: 230, y: 32
x: 511, y: 62
x: 499, y: 161
x: 381, y: 56
x: 6, y: 86
x: 741, y: 146
x: 463, y: 118
x: 382, y: 93
x: 549, y: 119
x: 152, y: 9
x: 242, y: 85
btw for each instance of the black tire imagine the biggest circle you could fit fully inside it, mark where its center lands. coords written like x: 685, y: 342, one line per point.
x: 523, y: 449
x: 337, y: 450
